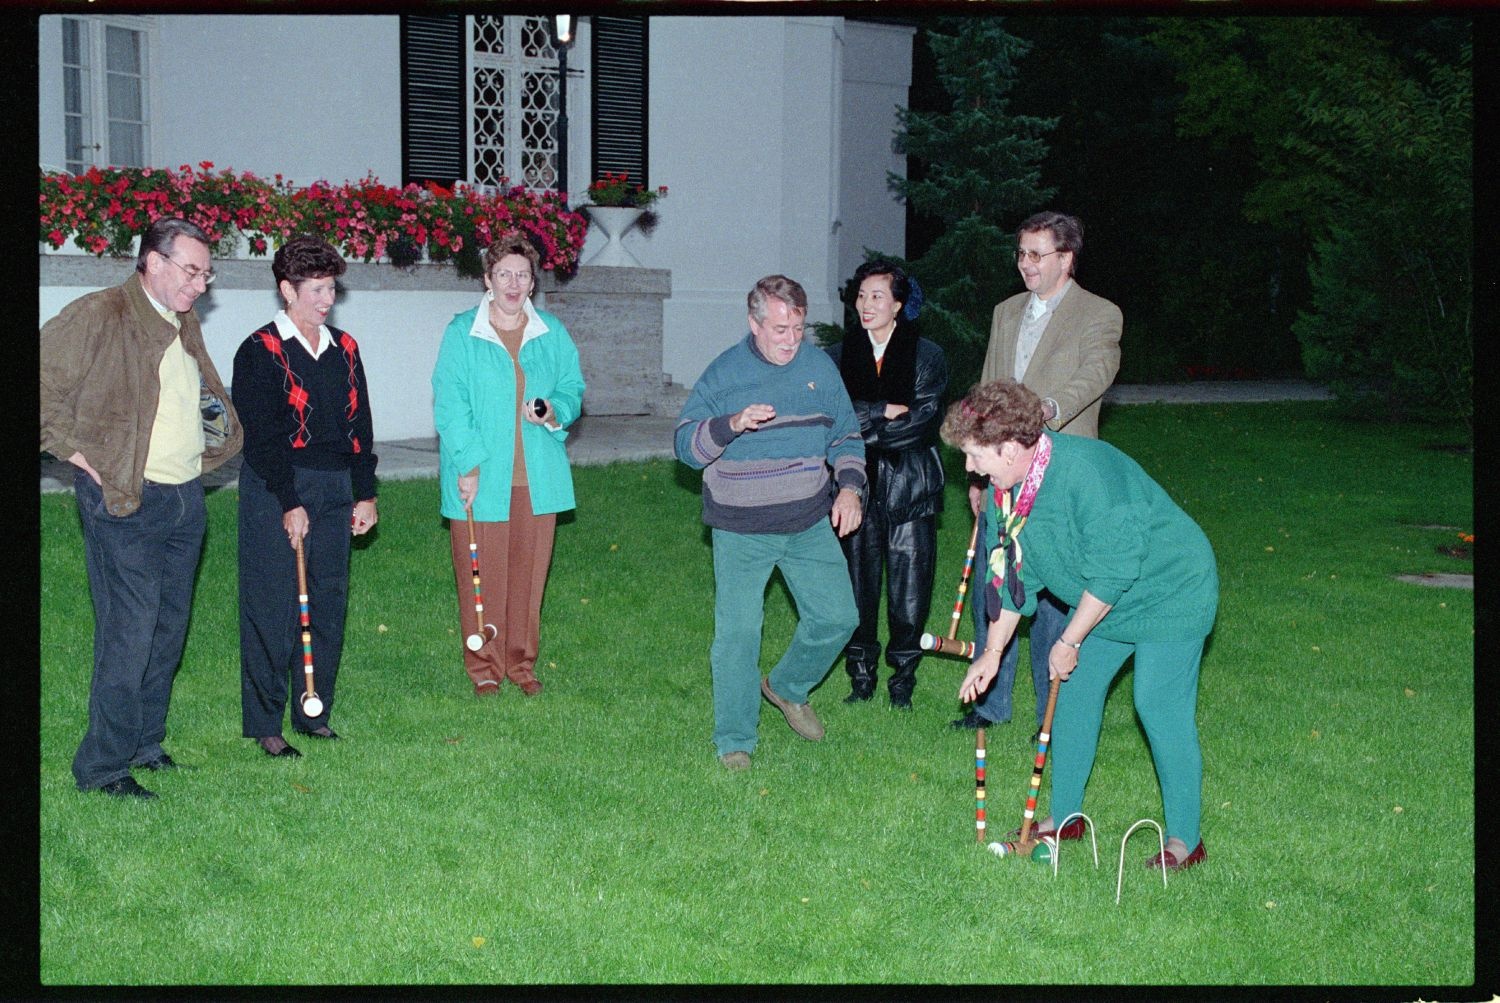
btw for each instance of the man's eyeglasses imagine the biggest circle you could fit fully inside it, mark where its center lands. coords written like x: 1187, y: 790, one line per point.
x: 504, y: 277
x: 1024, y: 255
x: 193, y: 272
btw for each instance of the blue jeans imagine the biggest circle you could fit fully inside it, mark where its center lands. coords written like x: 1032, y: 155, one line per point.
x: 813, y: 566
x: 141, y: 569
x: 1046, y: 627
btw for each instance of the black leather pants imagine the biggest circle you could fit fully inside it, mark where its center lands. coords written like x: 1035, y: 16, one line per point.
x: 908, y: 551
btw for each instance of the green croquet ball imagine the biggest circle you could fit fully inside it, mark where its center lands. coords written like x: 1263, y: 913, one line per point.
x: 1042, y: 853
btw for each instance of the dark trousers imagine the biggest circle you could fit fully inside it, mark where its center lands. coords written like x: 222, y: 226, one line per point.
x: 140, y: 570
x: 270, y: 623
x: 908, y: 553
x: 1046, y: 627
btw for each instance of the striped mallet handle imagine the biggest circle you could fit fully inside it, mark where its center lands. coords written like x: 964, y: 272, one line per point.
x: 311, y: 705
x: 979, y: 785
x: 946, y: 646
x: 476, y: 640
x: 1026, y: 844
x: 963, y: 586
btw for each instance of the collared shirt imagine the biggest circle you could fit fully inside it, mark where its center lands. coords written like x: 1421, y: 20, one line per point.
x: 1033, y: 323
x: 167, y: 313
x: 482, y: 328
x: 175, y: 455
x: 287, y: 328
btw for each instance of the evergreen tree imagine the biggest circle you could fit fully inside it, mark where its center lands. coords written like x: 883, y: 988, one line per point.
x: 978, y: 174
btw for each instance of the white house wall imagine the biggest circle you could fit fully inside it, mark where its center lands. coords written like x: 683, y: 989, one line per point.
x: 876, y: 80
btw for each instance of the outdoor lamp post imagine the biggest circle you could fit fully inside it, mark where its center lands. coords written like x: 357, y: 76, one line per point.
x: 562, y: 39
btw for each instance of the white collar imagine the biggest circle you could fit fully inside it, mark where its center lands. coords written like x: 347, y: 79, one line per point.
x: 287, y: 328
x: 482, y: 328
x: 1037, y: 306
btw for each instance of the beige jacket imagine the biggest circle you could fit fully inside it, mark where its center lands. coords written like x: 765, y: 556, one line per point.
x: 100, y: 388
x: 1075, y: 361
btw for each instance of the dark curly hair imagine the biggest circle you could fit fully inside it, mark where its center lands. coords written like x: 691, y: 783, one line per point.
x: 306, y: 257
x: 994, y: 413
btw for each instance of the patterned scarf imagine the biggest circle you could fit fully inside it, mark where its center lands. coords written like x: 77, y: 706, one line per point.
x: 1005, y: 559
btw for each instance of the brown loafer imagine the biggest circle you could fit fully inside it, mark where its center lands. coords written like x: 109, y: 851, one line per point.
x: 1073, y: 830
x: 1173, y: 864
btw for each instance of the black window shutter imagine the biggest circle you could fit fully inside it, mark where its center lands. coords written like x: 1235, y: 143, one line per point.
x: 434, y: 133
x: 619, y: 97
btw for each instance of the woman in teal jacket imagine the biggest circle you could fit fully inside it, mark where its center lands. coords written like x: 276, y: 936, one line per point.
x: 1079, y: 518
x: 506, y: 386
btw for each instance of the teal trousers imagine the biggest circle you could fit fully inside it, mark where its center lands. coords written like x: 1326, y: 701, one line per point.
x: 1166, y: 698
x: 813, y: 566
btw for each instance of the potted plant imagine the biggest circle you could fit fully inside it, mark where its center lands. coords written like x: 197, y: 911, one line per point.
x: 615, y: 205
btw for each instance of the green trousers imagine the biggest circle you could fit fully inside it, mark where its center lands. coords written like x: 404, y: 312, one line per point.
x: 813, y: 566
x: 1166, y: 698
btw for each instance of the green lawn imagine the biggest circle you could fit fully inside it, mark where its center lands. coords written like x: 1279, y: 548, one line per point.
x: 589, y: 835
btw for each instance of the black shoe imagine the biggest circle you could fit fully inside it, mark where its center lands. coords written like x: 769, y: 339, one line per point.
x: 973, y: 720
x: 323, y: 732
x: 861, y: 684
x: 276, y: 746
x: 161, y: 762
x: 126, y: 787
x: 901, y: 701
x: 859, y: 694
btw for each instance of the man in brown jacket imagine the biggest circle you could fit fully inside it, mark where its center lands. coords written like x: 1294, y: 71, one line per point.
x: 1063, y: 343
x: 130, y: 397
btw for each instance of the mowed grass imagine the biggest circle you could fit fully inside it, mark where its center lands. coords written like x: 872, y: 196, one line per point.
x: 590, y: 836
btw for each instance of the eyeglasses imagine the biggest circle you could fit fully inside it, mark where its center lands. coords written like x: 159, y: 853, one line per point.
x: 193, y: 272
x: 504, y: 277
x: 1024, y: 255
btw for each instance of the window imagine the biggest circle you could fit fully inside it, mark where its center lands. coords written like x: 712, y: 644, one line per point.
x: 513, y: 101
x: 479, y: 99
x: 105, y: 66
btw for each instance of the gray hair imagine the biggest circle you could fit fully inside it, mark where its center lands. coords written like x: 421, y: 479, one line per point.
x: 162, y: 234
x: 778, y: 287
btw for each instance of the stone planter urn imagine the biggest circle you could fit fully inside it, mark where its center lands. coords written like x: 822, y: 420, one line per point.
x: 614, y: 222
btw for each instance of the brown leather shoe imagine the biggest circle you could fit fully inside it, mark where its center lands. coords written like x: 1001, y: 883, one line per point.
x: 525, y: 678
x: 799, y: 715
x: 1073, y: 830
x: 1173, y: 864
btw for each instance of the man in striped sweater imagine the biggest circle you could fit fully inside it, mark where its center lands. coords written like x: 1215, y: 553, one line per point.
x: 773, y: 430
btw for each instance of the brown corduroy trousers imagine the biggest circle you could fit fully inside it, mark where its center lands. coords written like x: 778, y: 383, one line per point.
x: 514, y: 558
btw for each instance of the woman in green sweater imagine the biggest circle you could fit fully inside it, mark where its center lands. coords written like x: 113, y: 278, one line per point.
x: 1081, y: 519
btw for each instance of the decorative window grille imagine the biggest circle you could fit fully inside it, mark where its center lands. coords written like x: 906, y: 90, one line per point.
x: 105, y: 69
x: 513, y: 101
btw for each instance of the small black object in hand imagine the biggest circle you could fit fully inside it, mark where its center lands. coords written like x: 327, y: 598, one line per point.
x: 540, y: 407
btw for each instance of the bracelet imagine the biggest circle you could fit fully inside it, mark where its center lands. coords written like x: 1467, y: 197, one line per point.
x: 1070, y: 644
x: 994, y: 649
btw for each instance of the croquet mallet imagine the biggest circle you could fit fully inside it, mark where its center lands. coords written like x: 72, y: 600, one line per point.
x: 1026, y: 844
x: 476, y: 640
x: 948, y: 645
x: 312, y: 704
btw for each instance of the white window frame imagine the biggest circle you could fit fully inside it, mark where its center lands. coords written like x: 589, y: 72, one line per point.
x: 516, y: 65
x: 95, y: 113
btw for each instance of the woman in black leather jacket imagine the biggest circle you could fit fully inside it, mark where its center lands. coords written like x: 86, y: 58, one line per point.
x: 895, y: 379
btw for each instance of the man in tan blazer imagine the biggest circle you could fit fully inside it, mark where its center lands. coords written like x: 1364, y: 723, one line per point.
x: 1063, y: 343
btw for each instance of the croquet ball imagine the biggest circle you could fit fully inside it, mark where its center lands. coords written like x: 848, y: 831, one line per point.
x: 1042, y: 853
x: 998, y: 849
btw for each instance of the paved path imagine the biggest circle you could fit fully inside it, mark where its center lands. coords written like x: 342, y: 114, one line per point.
x: 597, y: 439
